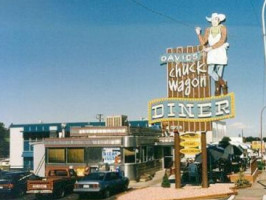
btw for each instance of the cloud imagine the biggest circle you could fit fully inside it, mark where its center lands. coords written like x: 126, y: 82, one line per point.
x: 239, y: 125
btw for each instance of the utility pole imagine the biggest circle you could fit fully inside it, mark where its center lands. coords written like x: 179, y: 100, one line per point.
x: 99, y: 117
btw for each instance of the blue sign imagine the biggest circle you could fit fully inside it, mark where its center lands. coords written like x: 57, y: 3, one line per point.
x: 109, y: 154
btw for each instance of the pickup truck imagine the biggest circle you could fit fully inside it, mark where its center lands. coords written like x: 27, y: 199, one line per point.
x: 57, y: 183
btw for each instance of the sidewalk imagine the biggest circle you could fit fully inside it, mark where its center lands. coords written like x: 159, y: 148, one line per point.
x: 256, y: 192
x: 157, y: 179
x: 152, y: 190
x: 186, y: 193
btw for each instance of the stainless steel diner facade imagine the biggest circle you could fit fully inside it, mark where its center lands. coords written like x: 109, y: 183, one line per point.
x: 131, y: 147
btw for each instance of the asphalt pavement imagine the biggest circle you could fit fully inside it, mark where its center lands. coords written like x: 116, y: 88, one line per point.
x: 67, y: 197
x: 256, y: 192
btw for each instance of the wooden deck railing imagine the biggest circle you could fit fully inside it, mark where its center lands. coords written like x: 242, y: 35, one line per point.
x: 253, y: 165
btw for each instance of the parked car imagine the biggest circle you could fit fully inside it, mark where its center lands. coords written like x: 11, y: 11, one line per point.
x: 102, y: 183
x: 57, y: 183
x: 14, y: 183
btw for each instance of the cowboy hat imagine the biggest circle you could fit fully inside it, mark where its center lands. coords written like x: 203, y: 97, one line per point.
x: 216, y: 15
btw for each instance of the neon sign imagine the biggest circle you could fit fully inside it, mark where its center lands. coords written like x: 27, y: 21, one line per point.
x: 192, y: 110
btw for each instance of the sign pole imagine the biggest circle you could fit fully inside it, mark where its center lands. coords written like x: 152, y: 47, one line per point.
x: 204, y: 160
x: 177, y: 160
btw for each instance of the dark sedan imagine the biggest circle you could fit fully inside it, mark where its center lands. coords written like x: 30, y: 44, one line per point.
x: 14, y: 183
x: 103, y: 183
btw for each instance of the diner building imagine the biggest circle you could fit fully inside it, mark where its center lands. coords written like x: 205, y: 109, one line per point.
x: 127, y: 146
x: 133, y: 147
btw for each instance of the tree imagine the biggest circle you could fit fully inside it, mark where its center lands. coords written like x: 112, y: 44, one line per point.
x: 4, y: 141
x: 224, y: 142
x: 251, y: 139
x: 165, y: 182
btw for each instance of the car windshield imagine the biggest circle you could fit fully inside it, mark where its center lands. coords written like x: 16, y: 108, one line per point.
x: 57, y: 173
x: 7, y: 176
x: 94, y: 176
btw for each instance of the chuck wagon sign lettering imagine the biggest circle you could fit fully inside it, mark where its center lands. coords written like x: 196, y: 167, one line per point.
x: 185, y: 65
x: 189, y: 104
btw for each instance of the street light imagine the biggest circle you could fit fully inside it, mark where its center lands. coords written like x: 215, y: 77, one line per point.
x: 264, y: 40
x: 263, y: 30
x: 261, y: 138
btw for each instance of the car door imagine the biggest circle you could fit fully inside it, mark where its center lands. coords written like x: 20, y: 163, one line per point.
x: 116, y: 181
x: 21, y: 183
x: 108, y: 181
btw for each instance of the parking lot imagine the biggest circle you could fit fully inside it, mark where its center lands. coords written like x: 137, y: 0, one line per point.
x: 67, y: 197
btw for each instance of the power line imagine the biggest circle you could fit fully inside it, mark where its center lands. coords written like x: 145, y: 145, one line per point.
x: 258, y: 23
x: 160, y: 14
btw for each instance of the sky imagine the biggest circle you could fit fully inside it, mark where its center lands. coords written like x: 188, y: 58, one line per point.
x: 68, y: 60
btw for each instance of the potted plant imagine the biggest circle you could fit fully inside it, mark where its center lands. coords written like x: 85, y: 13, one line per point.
x: 165, y: 182
x: 241, y: 181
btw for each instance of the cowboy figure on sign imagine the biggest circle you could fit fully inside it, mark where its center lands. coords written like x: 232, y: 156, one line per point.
x: 215, y: 45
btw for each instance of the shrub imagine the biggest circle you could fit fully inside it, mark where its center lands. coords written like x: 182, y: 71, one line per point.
x: 241, y: 181
x: 165, y: 182
x: 260, y: 165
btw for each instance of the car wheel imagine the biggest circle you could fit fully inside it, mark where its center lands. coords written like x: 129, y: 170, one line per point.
x: 106, y: 193
x: 61, y: 193
x: 39, y: 196
x: 21, y: 193
x: 83, y: 196
x: 125, y: 188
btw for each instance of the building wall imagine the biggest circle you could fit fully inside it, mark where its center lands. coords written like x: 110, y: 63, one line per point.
x: 16, y: 147
x: 39, y: 159
x: 218, y: 131
x: 209, y: 137
x: 236, y: 139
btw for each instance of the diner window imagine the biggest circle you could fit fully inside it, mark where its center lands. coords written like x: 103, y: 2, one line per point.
x: 129, y: 155
x: 138, y: 159
x: 56, y: 155
x: 94, y: 154
x: 157, y: 152
x: 143, y: 154
x: 150, y: 153
x: 75, y: 155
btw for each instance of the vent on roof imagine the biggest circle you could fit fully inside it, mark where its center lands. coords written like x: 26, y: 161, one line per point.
x: 116, y: 121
